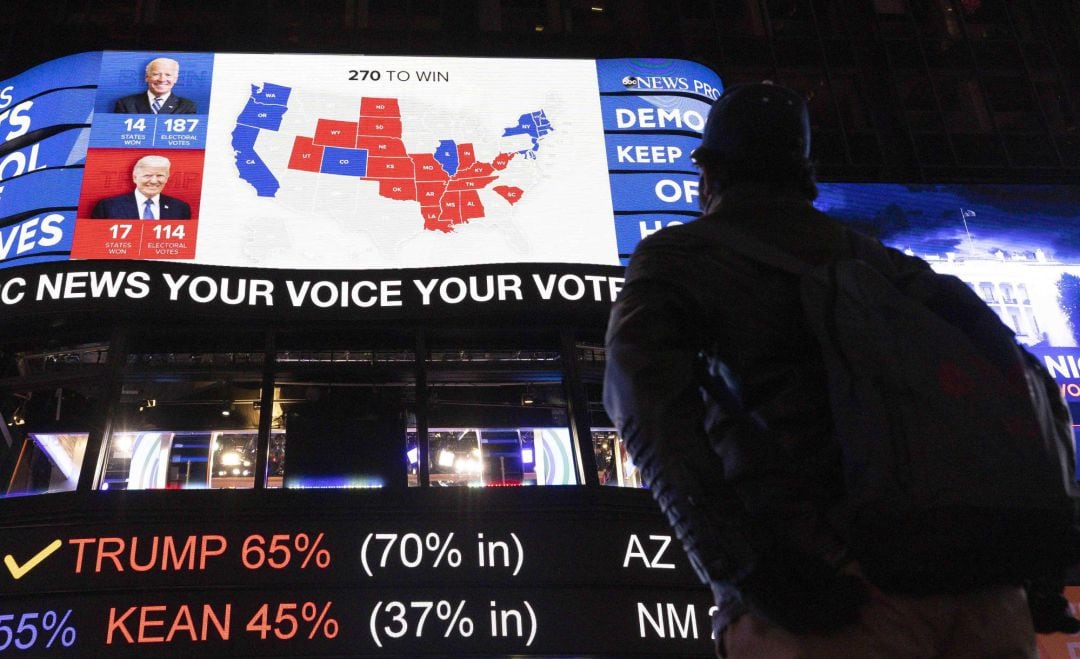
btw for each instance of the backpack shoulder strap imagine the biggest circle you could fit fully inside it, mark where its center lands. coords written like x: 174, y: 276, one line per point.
x: 724, y: 232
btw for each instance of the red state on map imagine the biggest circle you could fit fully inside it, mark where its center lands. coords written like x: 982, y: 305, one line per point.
x: 449, y: 211
x: 431, y: 216
x: 466, y: 157
x: 329, y: 132
x: 378, y: 167
x: 508, y: 192
x: 444, y: 200
x: 380, y: 127
x: 458, y: 184
x: 429, y: 193
x: 398, y: 189
x: 475, y: 170
x: 379, y: 107
x: 502, y: 160
x: 471, y: 208
x: 427, y: 168
x: 391, y: 147
x: 306, y: 155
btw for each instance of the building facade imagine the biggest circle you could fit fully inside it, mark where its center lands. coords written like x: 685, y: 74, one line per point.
x: 270, y: 452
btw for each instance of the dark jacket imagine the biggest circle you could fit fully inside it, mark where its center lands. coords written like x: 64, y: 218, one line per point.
x: 123, y: 207
x: 140, y: 104
x: 745, y: 493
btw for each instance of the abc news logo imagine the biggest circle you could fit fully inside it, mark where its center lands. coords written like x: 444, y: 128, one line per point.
x: 671, y: 83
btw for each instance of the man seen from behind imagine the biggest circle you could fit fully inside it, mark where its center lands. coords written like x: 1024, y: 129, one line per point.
x: 719, y: 390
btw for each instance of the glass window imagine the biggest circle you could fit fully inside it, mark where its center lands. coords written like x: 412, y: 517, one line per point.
x: 73, y: 361
x: 341, y: 413
x: 498, y: 413
x: 614, y: 467
x: 342, y: 435
x: 454, y: 457
x: 613, y: 462
x: 499, y: 457
x: 233, y: 457
x: 43, y: 438
x: 47, y: 462
x: 505, y: 435
x: 44, y: 428
x: 186, y: 419
x: 551, y: 454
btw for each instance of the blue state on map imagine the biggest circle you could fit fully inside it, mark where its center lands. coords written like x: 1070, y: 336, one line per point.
x: 262, y: 116
x: 346, y: 162
x: 445, y: 183
x: 446, y: 155
x: 266, y: 106
x: 533, y: 124
x: 250, y: 166
x: 271, y: 94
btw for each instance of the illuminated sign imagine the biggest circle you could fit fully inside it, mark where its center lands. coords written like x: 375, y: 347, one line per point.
x: 461, y: 572
x: 360, y: 187
x: 1016, y: 246
x: 344, y: 162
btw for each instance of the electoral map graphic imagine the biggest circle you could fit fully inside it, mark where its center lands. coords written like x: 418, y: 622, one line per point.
x: 445, y: 183
x: 360, y: 163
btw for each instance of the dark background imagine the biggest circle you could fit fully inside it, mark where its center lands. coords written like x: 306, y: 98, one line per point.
x: 900, y: 90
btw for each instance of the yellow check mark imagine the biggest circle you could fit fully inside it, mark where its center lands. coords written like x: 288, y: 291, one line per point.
x: 19, y: 571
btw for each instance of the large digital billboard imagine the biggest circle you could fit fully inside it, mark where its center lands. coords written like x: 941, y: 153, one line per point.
x: 306, y: 573
x: 346, y: 162
x: 338, y: 187
x: 359, y: 187
x: 1017, y: 246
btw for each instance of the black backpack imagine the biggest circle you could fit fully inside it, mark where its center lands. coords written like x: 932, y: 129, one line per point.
x: 959, y: 465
